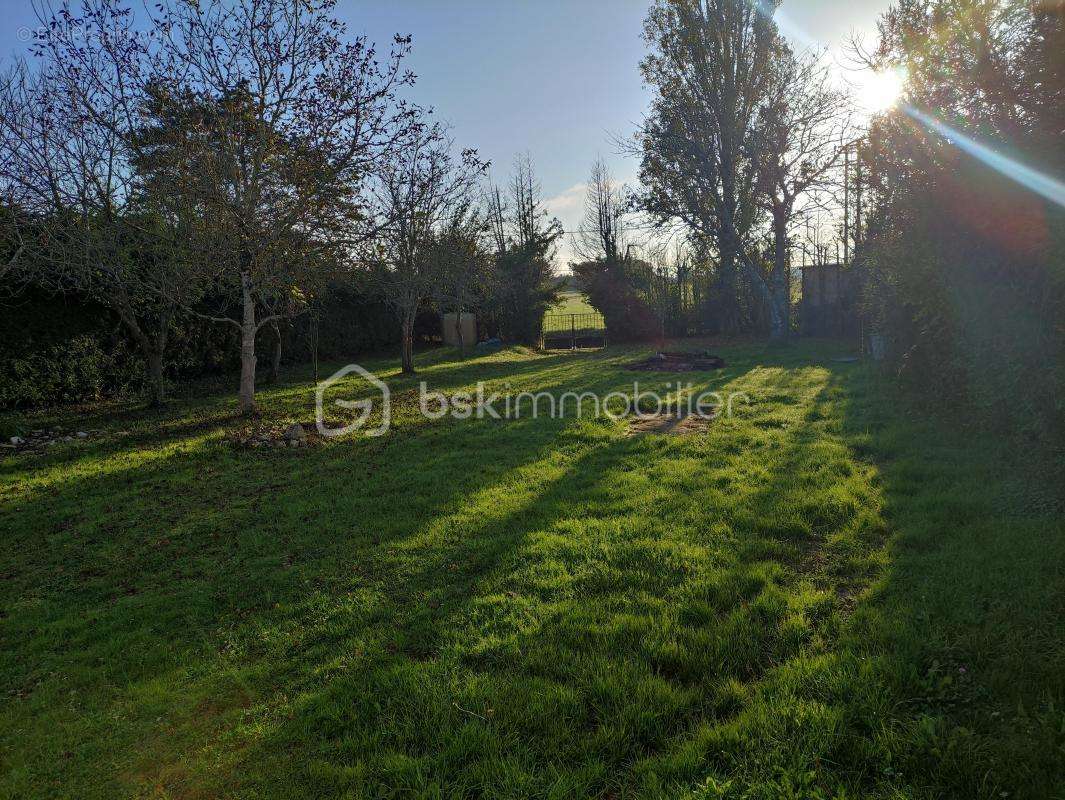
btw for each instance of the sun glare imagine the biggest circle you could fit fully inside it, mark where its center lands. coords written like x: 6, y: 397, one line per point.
x: 879, y: 91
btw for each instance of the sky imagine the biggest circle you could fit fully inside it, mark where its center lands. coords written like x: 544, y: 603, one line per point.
x: 559, y: 80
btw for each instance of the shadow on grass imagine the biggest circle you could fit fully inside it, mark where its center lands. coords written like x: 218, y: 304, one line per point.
x: 540, y: 606
x: 579, y: 629
x: 235, y: 552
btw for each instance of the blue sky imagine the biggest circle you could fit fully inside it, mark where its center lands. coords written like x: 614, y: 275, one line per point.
x: 556, y: 79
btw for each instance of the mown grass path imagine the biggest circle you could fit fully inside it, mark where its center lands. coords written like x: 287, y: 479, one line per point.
x: 825, y: 596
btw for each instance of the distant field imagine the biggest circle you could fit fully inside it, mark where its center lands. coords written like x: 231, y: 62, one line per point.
x: 572, y: 303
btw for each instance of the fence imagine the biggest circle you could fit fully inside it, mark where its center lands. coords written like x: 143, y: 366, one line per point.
x: 571, y: 331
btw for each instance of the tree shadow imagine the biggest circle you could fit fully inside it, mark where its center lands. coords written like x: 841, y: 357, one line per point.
x: 632, y: 637
x: 537, y: 605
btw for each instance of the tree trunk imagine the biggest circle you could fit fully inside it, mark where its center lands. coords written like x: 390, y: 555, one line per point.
x: 247, y: 349
x: 764, y: 291
x: 155, y: 374
x: 275, y: 364
x: 728, y: 321
x: 779, y: 301
x: 408, y: 342
x: 152, y: 351
x: 314, y: 345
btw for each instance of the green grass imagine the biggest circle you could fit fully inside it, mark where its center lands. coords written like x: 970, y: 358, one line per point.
x: 571, y: 303
x: 828, y: 595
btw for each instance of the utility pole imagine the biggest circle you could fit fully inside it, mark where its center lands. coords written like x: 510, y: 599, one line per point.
x: 857, y: 193
x: 809, y: 243
x: 846, y: 202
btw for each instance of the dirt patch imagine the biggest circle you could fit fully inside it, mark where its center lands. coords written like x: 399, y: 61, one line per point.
x: 679, y: 362
x: 668, y: 424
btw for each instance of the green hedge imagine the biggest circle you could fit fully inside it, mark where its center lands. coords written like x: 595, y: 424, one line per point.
x: 62, y: 349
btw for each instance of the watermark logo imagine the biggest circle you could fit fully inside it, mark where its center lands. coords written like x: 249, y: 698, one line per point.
x: 365, y: 406
x: 680, y: 401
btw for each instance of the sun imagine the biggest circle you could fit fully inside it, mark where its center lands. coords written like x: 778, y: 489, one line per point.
x: 879, y: 91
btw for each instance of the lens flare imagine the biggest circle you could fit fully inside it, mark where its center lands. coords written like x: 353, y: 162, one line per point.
x: 878, y: 91
x: 1043, y: 185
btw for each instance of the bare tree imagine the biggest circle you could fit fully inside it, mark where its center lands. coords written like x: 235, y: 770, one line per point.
x: 262, y: 123
x: 497, y: 218
x: 802, y: 134
x: 422, y: 189
x: 66, y: 175
x: 602, y: 234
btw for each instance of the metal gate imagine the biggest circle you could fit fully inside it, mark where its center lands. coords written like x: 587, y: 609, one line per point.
x: 573, y: 331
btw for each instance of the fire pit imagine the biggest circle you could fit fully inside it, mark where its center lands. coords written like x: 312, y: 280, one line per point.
x: 678, y: 362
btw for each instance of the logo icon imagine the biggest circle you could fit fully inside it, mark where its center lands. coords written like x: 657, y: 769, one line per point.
x: 365, y: 406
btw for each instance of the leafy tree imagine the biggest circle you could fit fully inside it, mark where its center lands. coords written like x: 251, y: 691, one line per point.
x: 962, y: 264
x: 465, y: 267
x: 621, y: 290
x: 77, y: 212
x: 711, y: 67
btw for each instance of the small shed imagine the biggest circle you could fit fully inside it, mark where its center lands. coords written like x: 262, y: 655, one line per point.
x: 451, y: 323
x: 827, y: 307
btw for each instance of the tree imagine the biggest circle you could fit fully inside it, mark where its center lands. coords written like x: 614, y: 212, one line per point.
x: 801, y: 135
x: 622, y: 292
x: 602, y: 233
x: 525, y: 240
x: 263, y: 125
x: 465, y: 267
x: 711, y: 67
x: 77, y: 212
x: 616, y: 285
x: 290, y: 121
x: 962, y: 267
x: 420, y: 192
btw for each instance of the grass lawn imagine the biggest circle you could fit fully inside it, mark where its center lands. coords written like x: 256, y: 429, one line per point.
x: 571, y: 303
x: 827, y: 595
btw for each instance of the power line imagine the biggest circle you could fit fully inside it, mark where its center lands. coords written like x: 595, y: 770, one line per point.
x: 627, y: 228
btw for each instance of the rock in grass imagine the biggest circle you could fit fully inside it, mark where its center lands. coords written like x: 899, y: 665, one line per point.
x: 295, y: 432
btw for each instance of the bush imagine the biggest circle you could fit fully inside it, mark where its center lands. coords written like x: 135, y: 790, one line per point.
x: 613, y: 289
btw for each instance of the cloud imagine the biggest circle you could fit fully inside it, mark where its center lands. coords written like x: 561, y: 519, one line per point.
x: 568, y: 202
x: 568, y: 206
